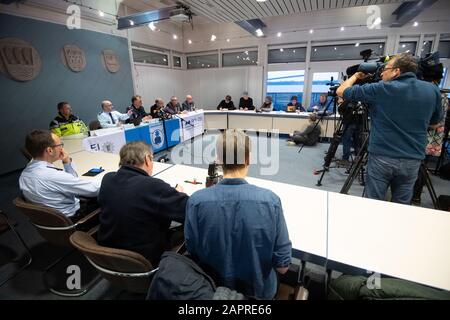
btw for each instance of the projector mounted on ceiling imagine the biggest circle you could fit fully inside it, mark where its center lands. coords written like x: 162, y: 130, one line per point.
x: 178, y: 13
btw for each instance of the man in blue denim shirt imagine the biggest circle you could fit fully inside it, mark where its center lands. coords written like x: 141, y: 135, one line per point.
x: 236, y: 231
x: 401, y: 109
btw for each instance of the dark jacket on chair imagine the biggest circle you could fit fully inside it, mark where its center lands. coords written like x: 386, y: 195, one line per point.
x: 137, y: 211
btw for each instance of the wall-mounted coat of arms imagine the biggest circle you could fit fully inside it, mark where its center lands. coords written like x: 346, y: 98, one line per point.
x: 19, y: 59
x: 111, y: 60
x: 74, y: 58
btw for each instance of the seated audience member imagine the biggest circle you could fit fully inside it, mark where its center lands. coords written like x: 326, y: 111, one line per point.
x: 188, y: 105
x: 66, y: 123
x: 157, y: 108
x: 319, y: 106
x: 236, y: 231
x: 295, y: 106
x: 246, y: 103
x: 173, y: 107
x: 226, y: 104
x: 109, y: 118
x: 310, y: 136
x: 138, y: 110
x: 267, y: 105
x: 137, y: 209
x: 42, y: 183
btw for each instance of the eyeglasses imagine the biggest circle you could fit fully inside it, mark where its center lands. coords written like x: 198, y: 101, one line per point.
x: 58, y: 145
x: 384, y: 69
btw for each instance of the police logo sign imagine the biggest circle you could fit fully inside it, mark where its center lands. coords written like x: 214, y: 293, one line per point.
x: 111, y: 61
x: 157, y: 139
x: 74, y: 58
x: 19, y: 60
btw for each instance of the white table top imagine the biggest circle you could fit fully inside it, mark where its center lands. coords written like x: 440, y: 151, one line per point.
x: 407, y: 242
x: 264, y: 114
x: 73, y: 145
x: 305, y: 210
x: 85, y: 161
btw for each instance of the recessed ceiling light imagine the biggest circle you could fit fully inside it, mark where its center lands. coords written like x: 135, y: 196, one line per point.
x: 131, y: 23
x: 415, y: 24
x: 377, y: 21
x: 279, y: 34
x: 357, y: 44
x: 213, y: 38
x: 101, y: 13
x: 261, y: 0
x: 190, y: 41
x: 311, y: 31
x: 228, y: 40
x: 335, y: 48
x: 246, y: 52
x: 175, y: 36
x: 342, y: 28
x: 293, y: 51
x: 403, y: 45
x: 259, y: 33
x: 315, y: 50
x: 281, y: 50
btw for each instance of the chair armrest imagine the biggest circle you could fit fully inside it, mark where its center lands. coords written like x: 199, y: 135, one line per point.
x: 90, y: 216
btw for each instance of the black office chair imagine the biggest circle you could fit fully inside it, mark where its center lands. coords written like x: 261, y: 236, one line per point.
x: 5, y: 226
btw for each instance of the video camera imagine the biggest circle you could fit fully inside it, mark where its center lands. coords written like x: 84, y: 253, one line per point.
x: 213, y: 177
x: 429, y: 67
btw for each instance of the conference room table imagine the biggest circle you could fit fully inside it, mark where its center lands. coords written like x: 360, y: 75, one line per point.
x: 345, y: 232
x: 336, y: 230
x: 305, y: 210
x: 84, y: 161
x: 73, y: 144
x: 275, y: 121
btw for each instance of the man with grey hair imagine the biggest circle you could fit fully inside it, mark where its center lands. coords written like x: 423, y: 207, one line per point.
x: 246, y: 103
x: 109, y: 118
x: 137, y: 209
x: 188, y: 104
x: 401, y: 109
x: 173, y: 107
x: 236, y: 231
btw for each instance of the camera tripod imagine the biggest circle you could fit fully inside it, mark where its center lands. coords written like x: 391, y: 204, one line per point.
x: 360, y: 162
x: 337, y: 138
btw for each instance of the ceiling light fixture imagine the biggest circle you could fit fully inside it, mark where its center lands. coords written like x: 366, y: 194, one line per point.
x: 259, y: 33
x: 213, y: 38
x: 101, y: 13
x: 152, y: 26
x: 279, y: 34
x: 342, y: 28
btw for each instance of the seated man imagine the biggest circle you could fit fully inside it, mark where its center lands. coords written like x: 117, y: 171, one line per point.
x: 173, y: 107
x: 226, y: 104
x: 66, y: 123
x: 246, y: 103
x: 267, y: 105
x: 295, y: 106
x: 310, y: 136
x: 236, y: 231
x: 189, y: 104
x: 137, y: 209
x: 109, y: 118
x: 157, y: 108
x: 42, y: 183
x: 137, y: 110
x: 319, y: 106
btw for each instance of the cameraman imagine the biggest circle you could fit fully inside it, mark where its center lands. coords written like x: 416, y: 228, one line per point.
x: 401, y: 110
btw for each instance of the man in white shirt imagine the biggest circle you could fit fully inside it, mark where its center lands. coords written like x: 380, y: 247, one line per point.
x: 42, y: 183
x: 111, y: 119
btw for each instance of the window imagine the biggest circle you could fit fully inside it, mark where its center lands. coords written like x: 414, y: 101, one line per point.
x: 142, y: 56
x: 282, y: 85
x: 177, y: 62
x: 240, y: 58
x: 287, y: 55
x: 321, y: 81
x: 408, y: 47
x: 444, y: 77
x: 427, y: 45
x: 345, y: 52
x: 444, y: 49
x: 203, y: 62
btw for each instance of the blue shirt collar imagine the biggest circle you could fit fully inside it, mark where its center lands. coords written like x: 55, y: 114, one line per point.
x: 233, y: 181
x: 406, y: 75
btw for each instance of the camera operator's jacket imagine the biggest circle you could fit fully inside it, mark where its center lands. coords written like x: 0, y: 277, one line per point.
x: 63, y: 127
x: 401, y: 110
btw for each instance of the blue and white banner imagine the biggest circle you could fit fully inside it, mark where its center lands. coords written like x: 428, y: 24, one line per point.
x: 111, y: 143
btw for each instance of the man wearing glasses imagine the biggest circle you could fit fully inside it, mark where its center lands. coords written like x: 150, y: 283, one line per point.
x: 401, y: 109
x: 42, y: 183
x: 110, y: 118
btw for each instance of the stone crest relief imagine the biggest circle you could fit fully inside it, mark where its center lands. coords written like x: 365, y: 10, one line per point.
x: 19, y: 59
x: 111, y: 61
x: 74, y: 58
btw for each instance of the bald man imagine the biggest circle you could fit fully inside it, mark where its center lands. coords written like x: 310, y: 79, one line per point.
x: 109, y: 118
x: 189, y: 104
